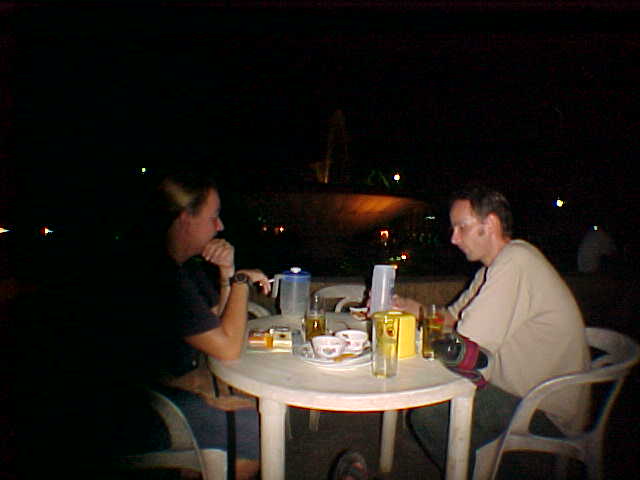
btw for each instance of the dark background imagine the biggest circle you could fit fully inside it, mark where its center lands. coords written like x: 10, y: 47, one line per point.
x: 542, y: 102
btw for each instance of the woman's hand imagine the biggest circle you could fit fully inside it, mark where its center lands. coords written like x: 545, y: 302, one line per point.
x: 257, y: 276
x: 221, y: 253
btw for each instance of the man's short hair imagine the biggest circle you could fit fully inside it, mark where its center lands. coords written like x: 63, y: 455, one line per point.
x: 484, y: 201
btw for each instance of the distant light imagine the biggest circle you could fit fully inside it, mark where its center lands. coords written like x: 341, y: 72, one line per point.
x: 278, y: 230
x: 44, y: 231
x: 384, y: 235
x: 396, y: 177
x: 4, y: 230
x: 430, y: 217
x: 143, y: 170
x: 404, y: 256
x: 595, y: 227
x: 559, y: 203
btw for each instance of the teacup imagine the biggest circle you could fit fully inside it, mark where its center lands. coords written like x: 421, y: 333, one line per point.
x: 356, y: 340
x: 328, y: 346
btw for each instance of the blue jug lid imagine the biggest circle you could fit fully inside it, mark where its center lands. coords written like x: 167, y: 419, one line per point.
x: 296, y: 272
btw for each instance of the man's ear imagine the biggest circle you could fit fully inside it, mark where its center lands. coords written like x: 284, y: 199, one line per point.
x: 493, y: 224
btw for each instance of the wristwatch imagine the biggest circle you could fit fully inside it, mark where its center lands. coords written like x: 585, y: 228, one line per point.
x: 240, y: 278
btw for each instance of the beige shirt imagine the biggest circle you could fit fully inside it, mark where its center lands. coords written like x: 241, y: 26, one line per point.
x: 521, y: 310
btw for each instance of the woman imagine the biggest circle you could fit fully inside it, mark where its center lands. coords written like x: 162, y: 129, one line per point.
x: 182, y: 314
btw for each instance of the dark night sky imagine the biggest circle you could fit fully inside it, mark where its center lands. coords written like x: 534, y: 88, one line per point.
x: 539, y: 103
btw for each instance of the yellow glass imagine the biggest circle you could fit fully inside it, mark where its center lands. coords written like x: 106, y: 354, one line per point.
x: 314, y: 324
x: 432, y: 329
x: 385, y: 350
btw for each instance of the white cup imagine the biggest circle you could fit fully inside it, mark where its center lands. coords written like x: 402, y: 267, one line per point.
x: 356, y: 340
x: 328, y: 346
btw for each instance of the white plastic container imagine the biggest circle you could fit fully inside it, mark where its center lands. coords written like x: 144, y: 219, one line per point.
x: 293, y: 286
x: 382, y: 287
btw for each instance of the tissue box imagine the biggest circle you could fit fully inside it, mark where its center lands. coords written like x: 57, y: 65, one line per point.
x: 274, y: 339
x: 282, y: 338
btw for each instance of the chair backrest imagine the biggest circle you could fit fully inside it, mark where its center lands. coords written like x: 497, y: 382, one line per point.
x: 615, y: 356
x: 183, y: 451
x: 256, y: 311
x: 619, y: 354
x: 180, y: 434
x: 346, y: 293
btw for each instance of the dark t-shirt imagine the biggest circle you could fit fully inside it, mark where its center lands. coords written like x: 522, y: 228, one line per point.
x: 155, y: 305
x: 196, y: 297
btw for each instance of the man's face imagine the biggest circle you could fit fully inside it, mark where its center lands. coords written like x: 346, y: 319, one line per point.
x: 469, y: 231
x: 205, y: 225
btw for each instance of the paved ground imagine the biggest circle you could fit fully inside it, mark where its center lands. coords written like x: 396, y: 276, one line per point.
x: 310, y: 455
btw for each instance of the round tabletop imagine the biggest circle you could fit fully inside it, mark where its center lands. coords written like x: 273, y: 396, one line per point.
x: 286, y: 378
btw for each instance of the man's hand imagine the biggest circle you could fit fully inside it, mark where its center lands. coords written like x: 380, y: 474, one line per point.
x: 449, y: 320
x: 408, y: 305
x: 221, y: 253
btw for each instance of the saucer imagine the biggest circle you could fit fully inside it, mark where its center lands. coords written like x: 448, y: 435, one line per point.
x: 347, y: 360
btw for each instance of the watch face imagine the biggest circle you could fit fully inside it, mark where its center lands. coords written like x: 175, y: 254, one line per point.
x: 241, y: 278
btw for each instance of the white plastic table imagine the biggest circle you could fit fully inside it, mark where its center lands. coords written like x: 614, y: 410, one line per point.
x: 281, y: 379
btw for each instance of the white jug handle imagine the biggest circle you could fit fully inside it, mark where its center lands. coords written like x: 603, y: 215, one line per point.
x: 276, y: 284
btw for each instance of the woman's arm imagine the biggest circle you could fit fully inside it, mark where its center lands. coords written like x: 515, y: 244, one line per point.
x: 225, y: 341
x: 221, y: 253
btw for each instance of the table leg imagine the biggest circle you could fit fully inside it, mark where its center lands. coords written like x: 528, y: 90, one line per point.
x: 272, y: 439
x: 388, y: 440
x: 459, y: 437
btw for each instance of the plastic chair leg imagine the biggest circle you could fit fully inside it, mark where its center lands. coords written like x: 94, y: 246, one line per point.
x: 314, y: 420
x: 214, y: 464
x: 485, y: 460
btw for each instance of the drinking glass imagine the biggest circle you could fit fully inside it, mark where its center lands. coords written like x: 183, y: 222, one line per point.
x: 385, y: 350
x: 314, y: 320
x: 432, y: 329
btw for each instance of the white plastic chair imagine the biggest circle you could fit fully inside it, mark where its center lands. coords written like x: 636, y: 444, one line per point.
x: 346, y: 293
x: 183, y: 451
x: 621, y: 353
x: 256, y: 310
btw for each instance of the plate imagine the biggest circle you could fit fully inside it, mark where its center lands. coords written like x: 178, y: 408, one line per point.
x: 305, y: 353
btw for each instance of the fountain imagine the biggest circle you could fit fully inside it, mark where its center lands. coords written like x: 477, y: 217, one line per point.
x: 327, y: 221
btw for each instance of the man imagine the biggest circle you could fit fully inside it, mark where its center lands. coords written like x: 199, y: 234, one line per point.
x: 518, y: 309
x: 596, y: 246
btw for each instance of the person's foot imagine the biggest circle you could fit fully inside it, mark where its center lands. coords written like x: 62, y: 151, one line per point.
x: 351, y: 466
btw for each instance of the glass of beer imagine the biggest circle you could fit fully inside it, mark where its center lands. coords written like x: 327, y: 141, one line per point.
x: 432, y: 329
x: 315, y: 322
x: 385, y: 344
